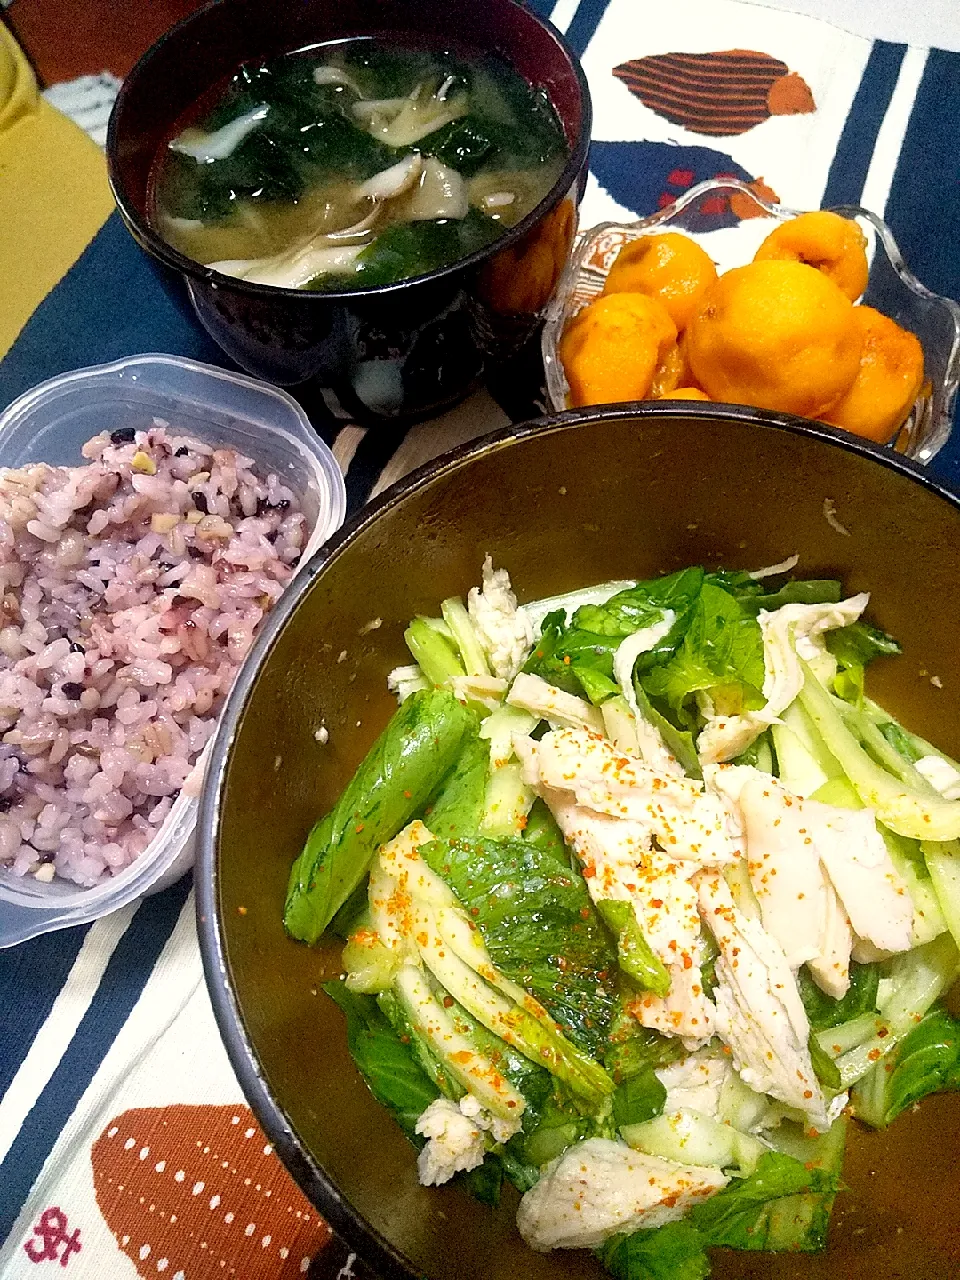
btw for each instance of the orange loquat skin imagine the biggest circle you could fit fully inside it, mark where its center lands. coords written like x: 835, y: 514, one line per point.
x: 669, y: 372
x: 671, y: 267
x: 887, y: 383
x: 612, y: 349
x: 775, y: 334
x: 827, y: 241
x: 685, y: 393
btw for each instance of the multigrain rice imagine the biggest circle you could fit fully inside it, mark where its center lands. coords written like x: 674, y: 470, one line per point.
x: 130, y: 591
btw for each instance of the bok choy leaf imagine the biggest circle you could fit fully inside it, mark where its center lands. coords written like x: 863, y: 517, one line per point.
x: 898, y: 806
x: 749, y: 1212
x: 721, y: 655
x: 539, y: 925
x: 926, y: 1061
x: 419, y: 745
x: 671, y: 1252
x: 389, y: 1067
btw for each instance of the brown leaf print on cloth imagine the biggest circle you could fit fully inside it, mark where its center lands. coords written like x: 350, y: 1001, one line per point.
x: 194, y: 1192
x: 720, y: 94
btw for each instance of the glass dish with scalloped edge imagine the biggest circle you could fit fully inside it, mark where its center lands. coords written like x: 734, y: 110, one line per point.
x: 892, y: 289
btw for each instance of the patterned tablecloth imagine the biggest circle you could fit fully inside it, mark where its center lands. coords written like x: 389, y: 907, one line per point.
x: 125, y: 1145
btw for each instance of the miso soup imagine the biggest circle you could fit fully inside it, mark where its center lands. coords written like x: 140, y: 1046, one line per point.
x: 356, y: 164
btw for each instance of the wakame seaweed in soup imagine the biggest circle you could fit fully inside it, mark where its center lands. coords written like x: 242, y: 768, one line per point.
x: 357, y: 164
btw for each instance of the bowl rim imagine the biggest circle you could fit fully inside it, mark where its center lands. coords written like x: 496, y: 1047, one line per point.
x: 557, y: 310
x: 143, y: 232
x: 342, y: 1217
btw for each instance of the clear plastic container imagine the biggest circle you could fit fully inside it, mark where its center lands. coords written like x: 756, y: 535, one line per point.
x: 50, y: 424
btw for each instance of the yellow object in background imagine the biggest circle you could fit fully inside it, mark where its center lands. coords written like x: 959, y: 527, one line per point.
x: 615, y: 347
x: 670, y: 267
x: 54, y: 195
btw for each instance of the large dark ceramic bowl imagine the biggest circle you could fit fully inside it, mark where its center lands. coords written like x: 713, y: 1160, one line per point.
x: 399, y: 351
x: 587, y: 496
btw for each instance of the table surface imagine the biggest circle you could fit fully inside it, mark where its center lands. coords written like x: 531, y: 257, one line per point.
x: 68, y: 38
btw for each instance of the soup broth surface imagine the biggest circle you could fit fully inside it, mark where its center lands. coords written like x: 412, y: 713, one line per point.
x: 356, y: 164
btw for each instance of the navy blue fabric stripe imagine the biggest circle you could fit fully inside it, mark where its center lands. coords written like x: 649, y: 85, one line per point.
x: 543, y: 8
x: 31, y: 976
x: 123, y: 981
x: 584, y: 24
x: 373, y: 453
x: 848, y: 172
x: 923, y: 206
x: 115, y: 301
